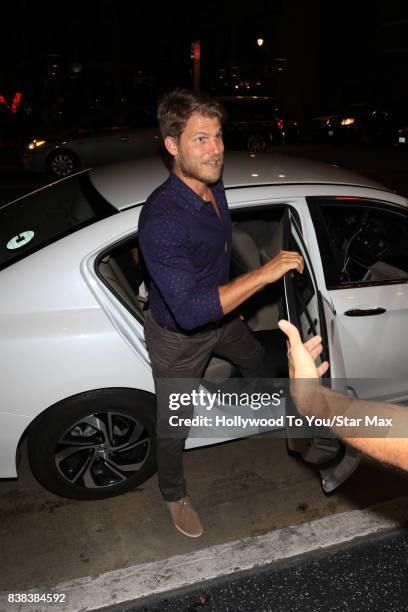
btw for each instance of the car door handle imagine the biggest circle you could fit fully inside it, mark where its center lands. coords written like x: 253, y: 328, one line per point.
x: 364, y: 312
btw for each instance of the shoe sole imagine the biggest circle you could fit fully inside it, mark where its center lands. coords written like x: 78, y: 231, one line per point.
x: 189, y: 535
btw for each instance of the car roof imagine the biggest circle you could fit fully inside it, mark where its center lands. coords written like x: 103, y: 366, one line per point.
x: 129, y: 183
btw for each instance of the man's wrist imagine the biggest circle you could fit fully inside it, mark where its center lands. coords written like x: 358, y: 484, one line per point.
x: 259, y: 278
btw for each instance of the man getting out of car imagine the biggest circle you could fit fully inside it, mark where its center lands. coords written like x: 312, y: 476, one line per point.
x: 185, y: 237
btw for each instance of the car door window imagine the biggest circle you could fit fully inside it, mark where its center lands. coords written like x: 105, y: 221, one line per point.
x: 122, y: 269
x: 362, y: 242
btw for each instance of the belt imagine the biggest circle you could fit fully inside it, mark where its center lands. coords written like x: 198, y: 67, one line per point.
x: 168, y: 327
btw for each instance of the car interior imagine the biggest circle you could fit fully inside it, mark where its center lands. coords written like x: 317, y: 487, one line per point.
x: 368, y: 244
x: 256, y: 238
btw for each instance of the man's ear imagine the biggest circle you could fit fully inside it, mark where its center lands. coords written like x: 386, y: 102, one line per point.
x: 171, y: 145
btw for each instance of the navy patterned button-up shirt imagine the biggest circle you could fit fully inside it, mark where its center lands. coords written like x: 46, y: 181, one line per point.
x: 186, y: 248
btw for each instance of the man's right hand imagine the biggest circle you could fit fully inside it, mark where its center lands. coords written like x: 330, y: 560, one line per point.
x: 277, y: 267
x: 240, y: 289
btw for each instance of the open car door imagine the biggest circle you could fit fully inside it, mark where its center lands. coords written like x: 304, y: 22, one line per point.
x: 304, y: 308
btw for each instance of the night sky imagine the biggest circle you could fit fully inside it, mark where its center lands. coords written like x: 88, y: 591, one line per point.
x: 333, y: 53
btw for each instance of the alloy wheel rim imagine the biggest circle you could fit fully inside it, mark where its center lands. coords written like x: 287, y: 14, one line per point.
x: 62, y: 164
x: 102, y: 450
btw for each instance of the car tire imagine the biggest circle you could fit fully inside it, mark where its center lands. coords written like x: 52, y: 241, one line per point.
x: 95, y: 445
x: 256, y: 143
x: 62, y: 163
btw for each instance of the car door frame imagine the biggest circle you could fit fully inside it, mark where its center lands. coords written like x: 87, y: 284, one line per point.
x: 336, y: 462
x: 291, y: 312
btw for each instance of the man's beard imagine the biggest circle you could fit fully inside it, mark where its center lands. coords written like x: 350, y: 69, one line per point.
x: 198, y: 173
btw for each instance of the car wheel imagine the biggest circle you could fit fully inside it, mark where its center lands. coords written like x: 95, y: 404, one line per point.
x: 95, y: 445
x: 256, y: 143
x: 62, y: 163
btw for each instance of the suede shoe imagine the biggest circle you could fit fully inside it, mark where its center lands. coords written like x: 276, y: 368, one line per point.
x: 185, y: 518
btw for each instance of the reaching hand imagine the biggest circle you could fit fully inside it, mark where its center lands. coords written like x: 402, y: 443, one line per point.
x: 280, y: 264
x: 301, y: 356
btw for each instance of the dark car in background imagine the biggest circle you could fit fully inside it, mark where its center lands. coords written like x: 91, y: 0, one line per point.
x: 107, y: 136
x: 255, y: 122
x: 360, y: 124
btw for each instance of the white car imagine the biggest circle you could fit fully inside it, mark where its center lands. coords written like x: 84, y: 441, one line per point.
x: 76, y: 380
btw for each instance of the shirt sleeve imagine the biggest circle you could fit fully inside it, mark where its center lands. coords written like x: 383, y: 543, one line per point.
x: 168, y: 256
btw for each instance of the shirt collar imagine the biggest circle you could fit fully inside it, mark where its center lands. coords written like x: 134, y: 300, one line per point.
x: 187, y: 193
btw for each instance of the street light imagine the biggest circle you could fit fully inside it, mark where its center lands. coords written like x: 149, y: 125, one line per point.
x: 260, y: 42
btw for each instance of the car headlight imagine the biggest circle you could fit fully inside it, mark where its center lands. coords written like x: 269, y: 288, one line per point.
x: 347, y: 121
x: 34, y: 144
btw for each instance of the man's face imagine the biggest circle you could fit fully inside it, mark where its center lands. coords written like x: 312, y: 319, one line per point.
x: 200, y: 149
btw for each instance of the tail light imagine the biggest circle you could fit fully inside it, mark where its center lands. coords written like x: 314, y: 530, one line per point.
x: 279, y: 123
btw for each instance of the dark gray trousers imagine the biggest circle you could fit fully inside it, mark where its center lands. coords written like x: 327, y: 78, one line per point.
x: 177, y: 355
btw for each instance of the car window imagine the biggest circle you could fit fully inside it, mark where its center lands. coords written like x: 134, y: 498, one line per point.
x: 123, y: 270
x: 367, y: 242
x: 47, y: 215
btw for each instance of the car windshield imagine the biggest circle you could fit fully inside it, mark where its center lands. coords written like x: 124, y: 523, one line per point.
x: 45, y: 216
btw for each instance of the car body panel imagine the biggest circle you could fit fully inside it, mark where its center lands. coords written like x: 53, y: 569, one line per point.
x: 12, y: 428
x: 383, y: 337
x: 132, y: 182
x: 44, y: 323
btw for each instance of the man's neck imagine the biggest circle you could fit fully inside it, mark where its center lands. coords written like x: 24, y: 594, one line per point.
x: 201, y: 189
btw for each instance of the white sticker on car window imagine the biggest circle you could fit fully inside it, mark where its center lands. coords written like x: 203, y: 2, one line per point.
x: 20, y: 240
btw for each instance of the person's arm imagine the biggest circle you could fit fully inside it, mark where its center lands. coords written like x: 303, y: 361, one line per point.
x: 393, y: 451
x: 240, y: 289
x: 167, y: 253
x: 313, y: 399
